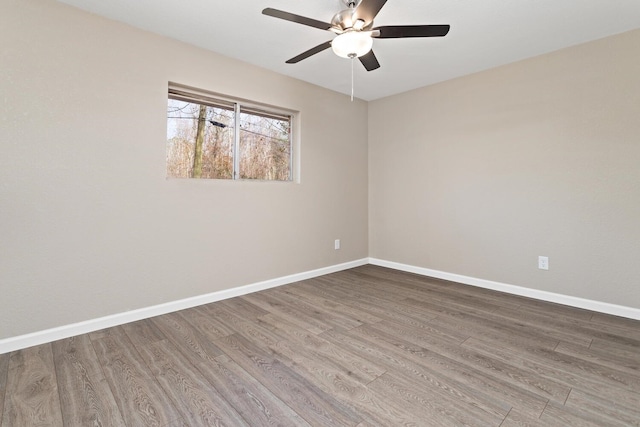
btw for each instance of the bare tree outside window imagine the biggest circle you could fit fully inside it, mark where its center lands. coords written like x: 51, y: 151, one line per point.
x: 201, y: 141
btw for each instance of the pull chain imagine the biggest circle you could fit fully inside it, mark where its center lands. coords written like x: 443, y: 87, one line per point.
x: 353, y: 57
x: 352, y: 60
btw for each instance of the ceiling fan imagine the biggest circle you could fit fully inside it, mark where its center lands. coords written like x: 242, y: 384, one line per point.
x: 355, y: 31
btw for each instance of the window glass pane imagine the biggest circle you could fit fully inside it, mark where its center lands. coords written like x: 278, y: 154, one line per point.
x: 265, y: 146
x: 200, y: 140
x: 211, y: 136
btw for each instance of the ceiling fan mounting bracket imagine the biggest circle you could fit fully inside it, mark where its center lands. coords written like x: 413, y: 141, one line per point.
x: 351, y: 4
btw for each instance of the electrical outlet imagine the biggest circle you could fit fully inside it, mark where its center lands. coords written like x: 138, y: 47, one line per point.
x: 543, y: 263
x: 336, y: 244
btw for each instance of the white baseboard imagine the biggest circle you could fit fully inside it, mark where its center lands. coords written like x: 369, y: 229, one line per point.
x: 602, y: 307
x: 49, y: 335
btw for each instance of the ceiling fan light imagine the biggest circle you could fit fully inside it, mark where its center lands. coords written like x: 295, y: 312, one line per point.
x: 352, y: 44
x: 358, y: 25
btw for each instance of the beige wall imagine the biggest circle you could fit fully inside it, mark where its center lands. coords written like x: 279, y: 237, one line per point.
x: 89, y: 226
x: 480, y: 175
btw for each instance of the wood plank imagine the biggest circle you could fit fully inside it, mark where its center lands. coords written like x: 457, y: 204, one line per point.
x: 102, y: 333
x: 256, y: 403
x: 432, y: 408
x: 431, y: 285
x: 359, y: 367
x: 178, y: 423
x: 363, y: 301
x: 629, y: 365
x: 32, y: 397
x: 453, y: 289
x: 287, y: 327
x: 357, y: 287
x: 195, y: 398
x: 253, y: 328
x: 336, y: 380
x: 141, y: 400
x: 259, y: 331
x: 143, y: 332
x: 191, y: 341
x: 579, y: 329
x: 491, y: 330
x: 562, y: 330
x: 352, y: 318
x: 617, y: 321
x: 243, y: 307
x: 437, y: 289
x: 297, y: 356
x: 436, y: 307
x: 372, y: 309
x: 304, y: 397
x: 516, y: 419
x: 538, y: 361
x: 325, y: 317
x: 85, y: 396
x: 390, y: 310
x: 500, y: 370
x: 4, y: 373
x: 424, y: 332
x: 602, y: 407
x: 616, y: 348
x: 558, y: 311
x: 273, y: 305
x: 484, y: 387
x: 205, y: 322
x: 604, y: 374
x: 561, y: 416
x: 402, y: 364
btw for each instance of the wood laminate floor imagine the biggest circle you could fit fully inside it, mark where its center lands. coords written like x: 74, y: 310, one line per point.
x: 363, y: 347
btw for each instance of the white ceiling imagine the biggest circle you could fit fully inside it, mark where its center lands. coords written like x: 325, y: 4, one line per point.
x: 484, y: 34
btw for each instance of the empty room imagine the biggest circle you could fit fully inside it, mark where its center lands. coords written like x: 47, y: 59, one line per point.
x: 319, y: 213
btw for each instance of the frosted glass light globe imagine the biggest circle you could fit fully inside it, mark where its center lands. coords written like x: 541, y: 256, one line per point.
x: 352, y: 44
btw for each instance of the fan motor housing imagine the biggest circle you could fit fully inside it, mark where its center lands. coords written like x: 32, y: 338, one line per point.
x: 345, y: 20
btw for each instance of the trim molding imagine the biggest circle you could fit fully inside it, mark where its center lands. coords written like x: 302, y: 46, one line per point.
x: 602, y: 307
x: 66, y: 331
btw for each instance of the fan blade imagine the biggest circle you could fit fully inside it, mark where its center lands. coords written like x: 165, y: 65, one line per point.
x: 310, y: 52
x: 296, y: 18
x: 400, y: 31
x: 370, y: 61
x: 367, y: 10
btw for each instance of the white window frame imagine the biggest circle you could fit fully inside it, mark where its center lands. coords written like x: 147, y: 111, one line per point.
x: 190, y: 94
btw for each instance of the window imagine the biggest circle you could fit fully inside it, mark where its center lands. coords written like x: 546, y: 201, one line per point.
x: 219, y: 138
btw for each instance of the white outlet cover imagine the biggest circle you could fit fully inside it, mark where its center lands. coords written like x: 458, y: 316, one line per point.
x: 543, y: 263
